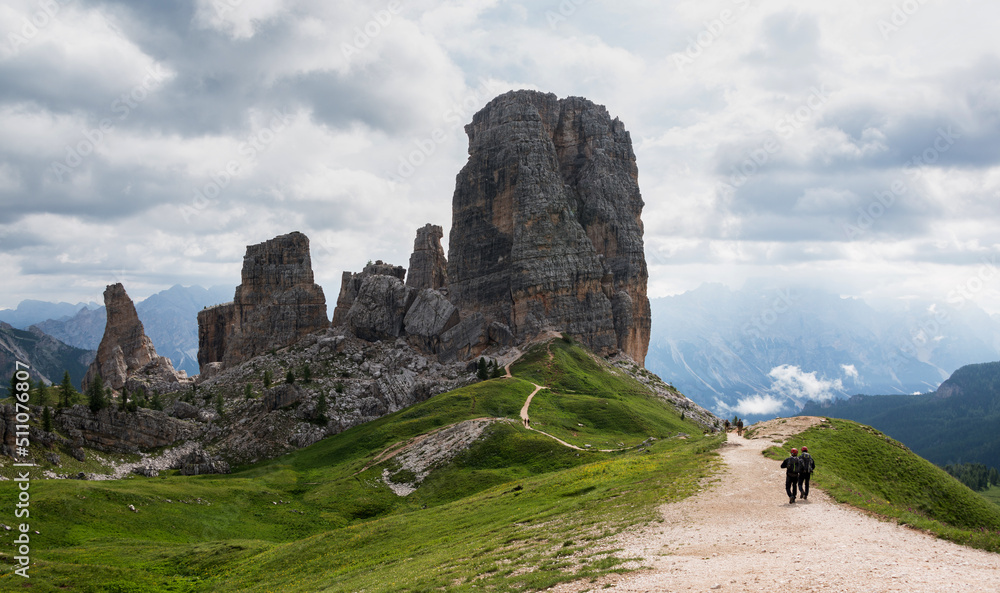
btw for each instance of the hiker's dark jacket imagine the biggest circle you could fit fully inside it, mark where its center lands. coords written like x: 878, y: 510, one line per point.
x: 791, y: 466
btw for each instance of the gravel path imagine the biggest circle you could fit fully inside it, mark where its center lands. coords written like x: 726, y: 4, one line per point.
x: 741, y: 534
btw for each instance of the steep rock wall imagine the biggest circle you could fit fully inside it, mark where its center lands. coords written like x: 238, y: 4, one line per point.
x: 546, y: 230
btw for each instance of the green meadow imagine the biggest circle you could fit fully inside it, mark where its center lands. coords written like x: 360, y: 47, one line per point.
x: 516, y: 511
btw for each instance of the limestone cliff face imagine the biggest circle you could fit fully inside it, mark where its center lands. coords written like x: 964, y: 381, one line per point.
x: 546, y: 230
x: 428, y: 266
x: 276, y: 304
x: 126, y: 352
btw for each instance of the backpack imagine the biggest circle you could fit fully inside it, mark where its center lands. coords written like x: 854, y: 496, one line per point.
x: 795, y: 465
x: 806, y: 463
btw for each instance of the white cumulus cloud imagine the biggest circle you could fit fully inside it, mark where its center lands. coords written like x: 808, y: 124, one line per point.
x: 850, y: 371
x: 794, y: 383
x: 758, y: 405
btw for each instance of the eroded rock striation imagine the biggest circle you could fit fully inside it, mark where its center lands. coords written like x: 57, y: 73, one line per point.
x: 276, y: 304
x: 546, y: 230
x: 126, y: 357
x: 428, y: 265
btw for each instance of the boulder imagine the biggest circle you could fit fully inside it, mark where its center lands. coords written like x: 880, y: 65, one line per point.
x: 431, y: 315
x: 351, y: 283
x: 282, y: 396
x: 198, y: 463
x: 380, y: 307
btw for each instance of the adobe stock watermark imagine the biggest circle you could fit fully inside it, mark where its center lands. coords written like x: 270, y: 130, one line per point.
x: 365, y: 34
x: 77, y: 153
x: 563, y: 12
x: 247, y: 153
x: 757, y: 327
x: 931, y: 327
x: 44, y: 15
x: 22, y: 444
x: 885, y: 199
x: 784, y: 128
x: 454, y: 119
x: 713, y: 30
x: 900, y: 16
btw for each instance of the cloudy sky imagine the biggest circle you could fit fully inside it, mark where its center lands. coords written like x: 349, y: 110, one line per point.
x: 850, y: 145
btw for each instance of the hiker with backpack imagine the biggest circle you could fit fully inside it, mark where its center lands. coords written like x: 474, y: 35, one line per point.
x: 739, y: 426
x: 807, y: 465
x: 792, y: 466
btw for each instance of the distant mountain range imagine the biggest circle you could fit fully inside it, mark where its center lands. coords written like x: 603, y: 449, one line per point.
x: 761, y: 351
x: 48, y: 358
x: 30, y: 312
x: 957, y: 423
x: 170, y: 319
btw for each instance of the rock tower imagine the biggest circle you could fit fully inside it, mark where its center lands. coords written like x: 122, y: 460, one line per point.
x: 276, y: 304
x: 126, y: 352
x: 546, y: 230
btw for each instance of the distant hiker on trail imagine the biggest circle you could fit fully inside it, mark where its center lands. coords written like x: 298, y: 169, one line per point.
x: 739, y: 427
x: 791, y: 465
x: 807, y: 465
x: 727, y: 426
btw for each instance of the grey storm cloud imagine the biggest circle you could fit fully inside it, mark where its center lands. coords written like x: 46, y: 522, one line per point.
x: 761, y: 133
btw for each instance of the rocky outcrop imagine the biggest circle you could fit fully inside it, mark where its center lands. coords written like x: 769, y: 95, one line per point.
x: 120, y: 431
x: 198, y: 463
x: 428, y: 318
x: 276, y: 304
x: 350, y: 286
x: 546, y: 230
x: 379, y: 308
x: 126, y: 357
x: 428, y: 266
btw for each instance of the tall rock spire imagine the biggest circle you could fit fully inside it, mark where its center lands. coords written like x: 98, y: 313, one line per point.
x: 125, y: 349
x: 546, y: 230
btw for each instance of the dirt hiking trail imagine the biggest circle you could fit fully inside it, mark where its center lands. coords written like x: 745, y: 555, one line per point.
x: 741, y: 534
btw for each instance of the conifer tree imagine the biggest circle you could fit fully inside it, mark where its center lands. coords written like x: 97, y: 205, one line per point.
x: 47, y: 419
x: 290, y: 377
x: 321, y: 408
x: 96, y: 398
x: 267, y: 379
x: 66, y: 391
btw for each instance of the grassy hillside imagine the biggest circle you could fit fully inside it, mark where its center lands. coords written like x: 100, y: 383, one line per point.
x: 863, y: 467
x: 516, y: 511
x: 956, y: 424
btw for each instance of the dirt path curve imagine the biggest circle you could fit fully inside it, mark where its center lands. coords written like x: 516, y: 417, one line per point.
x: 741, y: 534
x: 524, y: 409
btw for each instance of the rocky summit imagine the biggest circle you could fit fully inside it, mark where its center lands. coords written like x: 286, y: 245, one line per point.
x: 126, y: 358
x: 546, y: 231
x: 276, y: 304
